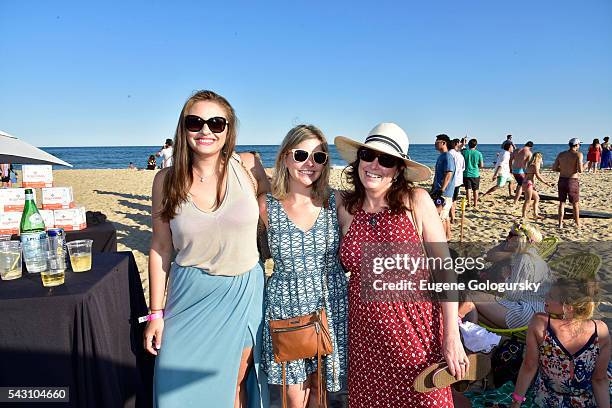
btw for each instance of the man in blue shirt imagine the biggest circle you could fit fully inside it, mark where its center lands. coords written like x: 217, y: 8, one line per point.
x: 443, y: 185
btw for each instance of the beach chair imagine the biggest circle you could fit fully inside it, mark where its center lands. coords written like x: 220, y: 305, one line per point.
x: 547, y: 247
x: 579, y: 265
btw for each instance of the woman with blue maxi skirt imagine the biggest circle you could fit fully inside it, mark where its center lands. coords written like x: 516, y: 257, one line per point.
x: 207, y: 337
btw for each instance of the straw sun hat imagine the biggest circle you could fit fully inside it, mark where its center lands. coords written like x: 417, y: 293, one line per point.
x: 386, y: 138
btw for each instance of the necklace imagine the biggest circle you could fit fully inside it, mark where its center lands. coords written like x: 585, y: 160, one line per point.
x: 202, y: 178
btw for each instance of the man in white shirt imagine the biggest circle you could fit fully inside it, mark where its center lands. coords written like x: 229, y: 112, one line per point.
x: 502, y: 169
x: 455, y: 152
x: 166, y: 154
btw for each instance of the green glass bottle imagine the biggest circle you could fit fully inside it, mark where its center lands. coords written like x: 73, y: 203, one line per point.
x: 34, y: 242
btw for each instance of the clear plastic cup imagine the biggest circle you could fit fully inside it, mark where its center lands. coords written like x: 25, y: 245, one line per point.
x: 80, y: 254
x: 4, y: 237
x: 10, y: 260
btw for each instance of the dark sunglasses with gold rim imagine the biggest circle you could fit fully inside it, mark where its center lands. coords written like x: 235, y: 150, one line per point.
x: 301, y: 155
x: 194, y: 123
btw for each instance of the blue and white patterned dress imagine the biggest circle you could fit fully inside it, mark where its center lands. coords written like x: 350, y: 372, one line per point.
x: 295, y: 288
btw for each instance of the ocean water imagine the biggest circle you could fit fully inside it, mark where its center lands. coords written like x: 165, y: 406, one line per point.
x: 119, y: 157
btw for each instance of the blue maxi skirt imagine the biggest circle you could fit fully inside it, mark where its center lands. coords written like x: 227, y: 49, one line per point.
x: 208, y: 322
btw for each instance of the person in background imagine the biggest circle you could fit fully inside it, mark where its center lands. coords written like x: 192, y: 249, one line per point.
x: 594, y: 156
x: 132, y: 166
x: 207, y: 337
x: 568, y: 350
x: 455, y: 151
x: 443, y: 188
x: 303, y: 235
x: 569, y: 165
x: 5, y: 176
x: 166, y: 153
x: 606, y: 154
x: 391, y: 342
x: 508, y: 140
x: 471, y: 175
x: 532, y: 173
x: 502, y: 174
x: 518, y: 163
x: 151, y: 163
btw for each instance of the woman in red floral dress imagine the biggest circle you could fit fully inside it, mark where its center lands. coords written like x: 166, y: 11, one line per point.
x: 392, y: 341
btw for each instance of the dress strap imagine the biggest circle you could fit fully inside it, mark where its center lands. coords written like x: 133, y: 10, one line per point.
x: 595, y: 323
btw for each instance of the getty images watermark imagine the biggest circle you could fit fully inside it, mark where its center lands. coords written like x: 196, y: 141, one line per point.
x: 412, y: 272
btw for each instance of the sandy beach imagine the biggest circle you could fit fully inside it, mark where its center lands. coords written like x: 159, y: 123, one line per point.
x: 125, y: 197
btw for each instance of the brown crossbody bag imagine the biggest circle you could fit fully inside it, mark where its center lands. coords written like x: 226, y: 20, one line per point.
x: 304, y: 336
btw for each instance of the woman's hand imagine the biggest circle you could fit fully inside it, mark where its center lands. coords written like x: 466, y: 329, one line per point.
x: 454, y: 354
x: 153, y: 335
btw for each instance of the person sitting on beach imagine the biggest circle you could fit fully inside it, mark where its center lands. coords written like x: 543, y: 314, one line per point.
x: 151, y: 163
x: 392, y: 342
x: 502, y: 169
x: 132, y: 166
x: 443, y: 184
x: 303, y: 237
x: 166, y: 153
x: 518, y: 261
x: 204, y: 209
x: 455, y: 151
x: 569, y: 165
x: 532, y: 173
x: 518, y: 163
x: 471, y: 175
x: 568, y: 350
x: 606, y: 154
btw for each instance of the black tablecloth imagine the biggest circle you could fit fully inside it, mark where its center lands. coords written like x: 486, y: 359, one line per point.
x: 83, y: 334
x: 104, y: 236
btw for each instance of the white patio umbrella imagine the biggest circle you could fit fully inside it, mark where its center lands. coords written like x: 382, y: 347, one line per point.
x: 16, y: 151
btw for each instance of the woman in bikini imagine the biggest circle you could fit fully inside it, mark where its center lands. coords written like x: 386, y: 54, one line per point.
x: 533, y: 172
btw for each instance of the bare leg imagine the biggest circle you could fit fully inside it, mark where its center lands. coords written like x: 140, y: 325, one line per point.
x: 536, y: 200
x: 509, y: 189
x: 561, y: 213
x: 475, y: 198
x: 313, y: 401
x: 576, y: 208
x: 452, y: 212
x: 241, y: 390
x: 527, y: 200
x: 492, y: 313
x: 467, y: 196
x: 517, y: 194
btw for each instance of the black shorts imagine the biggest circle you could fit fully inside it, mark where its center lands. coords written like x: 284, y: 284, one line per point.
x: 471, y: 183
x: 5, y: 179
x: 456, y: 193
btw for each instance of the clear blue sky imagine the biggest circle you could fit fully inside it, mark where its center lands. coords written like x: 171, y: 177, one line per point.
x: 117, y: 73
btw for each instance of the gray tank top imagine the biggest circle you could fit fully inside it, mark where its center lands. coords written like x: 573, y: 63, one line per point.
x: 223, y: 241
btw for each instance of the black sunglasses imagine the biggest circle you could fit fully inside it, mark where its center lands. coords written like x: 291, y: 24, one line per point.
x: 384, y: 159
x: 195, y: 123
x: 300, y: 155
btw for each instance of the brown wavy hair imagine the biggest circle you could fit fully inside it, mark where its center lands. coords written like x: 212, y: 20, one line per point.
x: 179, y: 178
x: 395, y: 196
x: 280, y: 182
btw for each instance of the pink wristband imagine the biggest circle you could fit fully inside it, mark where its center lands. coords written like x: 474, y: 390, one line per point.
x: 152, y: 316
x: 518, y: 398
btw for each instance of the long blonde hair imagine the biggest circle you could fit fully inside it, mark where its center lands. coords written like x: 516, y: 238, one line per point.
x: 280, y: 181
x: 536, y: 160
x: 580, y: 295
x: 180, y: 177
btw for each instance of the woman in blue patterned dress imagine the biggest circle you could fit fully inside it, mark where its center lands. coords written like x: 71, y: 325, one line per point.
x: 303, y: 235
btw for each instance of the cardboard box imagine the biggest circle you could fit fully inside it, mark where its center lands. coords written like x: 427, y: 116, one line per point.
x: 36, y: 175
x: 71, y: 219
x: 9, y: 222
x: 13, y: 199
x: 57, y: 198
x: 48, y: 218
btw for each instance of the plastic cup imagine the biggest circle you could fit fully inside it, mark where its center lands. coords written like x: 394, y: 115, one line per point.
x: 80, y: 254
x: 10, y: 260
x: 5, y: 237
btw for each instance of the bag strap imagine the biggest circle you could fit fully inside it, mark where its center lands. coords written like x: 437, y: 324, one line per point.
x: 284, y: 364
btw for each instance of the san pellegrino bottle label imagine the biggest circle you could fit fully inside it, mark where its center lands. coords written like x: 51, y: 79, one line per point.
x: 34, y: 240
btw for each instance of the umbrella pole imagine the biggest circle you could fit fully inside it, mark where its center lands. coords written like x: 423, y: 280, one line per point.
x: 463, y: 202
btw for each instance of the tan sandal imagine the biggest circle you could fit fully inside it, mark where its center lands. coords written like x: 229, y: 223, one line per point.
x: 480, y: 366
x: 438, y: 376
